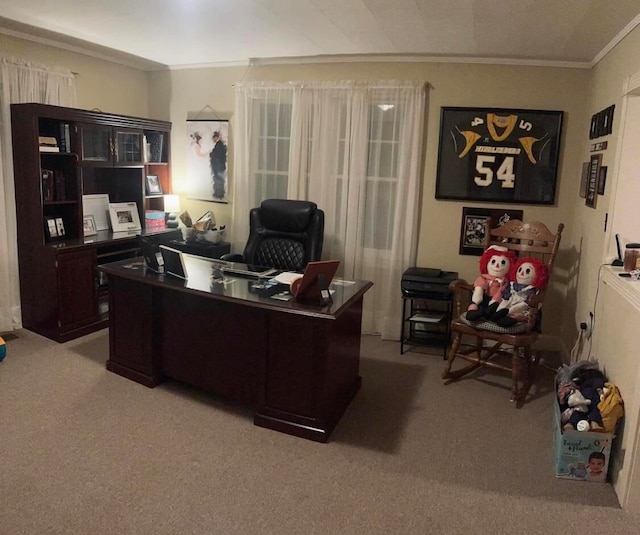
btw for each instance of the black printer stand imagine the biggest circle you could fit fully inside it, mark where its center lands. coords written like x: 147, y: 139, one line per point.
x: 426, y: 308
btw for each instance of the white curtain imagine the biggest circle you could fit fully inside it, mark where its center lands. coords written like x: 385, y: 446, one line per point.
x: 20, y: 82
x: 355, y: 149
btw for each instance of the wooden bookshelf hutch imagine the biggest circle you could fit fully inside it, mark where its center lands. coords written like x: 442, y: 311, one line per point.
x: 62, y: 293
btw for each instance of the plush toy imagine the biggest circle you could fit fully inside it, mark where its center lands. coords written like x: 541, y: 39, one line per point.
x: 495, y: 264
x: 528, y: 277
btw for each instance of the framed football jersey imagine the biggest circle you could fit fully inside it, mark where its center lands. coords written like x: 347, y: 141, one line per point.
x: 498, y: 155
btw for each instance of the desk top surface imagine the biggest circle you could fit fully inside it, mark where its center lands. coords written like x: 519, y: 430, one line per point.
x: 239, y: 289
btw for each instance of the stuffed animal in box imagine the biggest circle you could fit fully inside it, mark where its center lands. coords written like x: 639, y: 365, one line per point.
x: 495, y: 264
x: 528, y: 277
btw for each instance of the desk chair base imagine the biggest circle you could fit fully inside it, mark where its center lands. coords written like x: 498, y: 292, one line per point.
x: 523, y: 369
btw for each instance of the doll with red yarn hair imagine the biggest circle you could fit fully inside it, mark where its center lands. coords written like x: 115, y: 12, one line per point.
x: 528, y: 277
x: 495, y: 264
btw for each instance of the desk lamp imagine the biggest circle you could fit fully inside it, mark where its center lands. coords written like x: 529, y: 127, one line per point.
x: 171, y: 208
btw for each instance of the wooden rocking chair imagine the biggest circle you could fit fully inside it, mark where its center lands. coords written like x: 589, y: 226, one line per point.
x: 525, y: 239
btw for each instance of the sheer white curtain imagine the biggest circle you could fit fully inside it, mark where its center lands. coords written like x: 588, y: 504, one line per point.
x: 355, y: 149
x: 20, y: 82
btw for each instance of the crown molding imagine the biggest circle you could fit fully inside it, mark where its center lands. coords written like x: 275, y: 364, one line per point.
x: 417, y: 58
x: 612, y: 44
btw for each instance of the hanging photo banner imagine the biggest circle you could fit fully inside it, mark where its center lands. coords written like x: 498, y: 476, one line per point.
x: 207, y: 164
x: 498, y: 155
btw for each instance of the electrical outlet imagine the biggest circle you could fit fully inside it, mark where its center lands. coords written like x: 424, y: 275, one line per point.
x: 589, y: 330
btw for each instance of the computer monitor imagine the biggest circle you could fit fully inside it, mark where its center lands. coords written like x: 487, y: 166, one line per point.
x: 313, y: 286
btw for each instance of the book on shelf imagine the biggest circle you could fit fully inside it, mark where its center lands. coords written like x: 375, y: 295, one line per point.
x: 48, y: 148
x: 61, y: 194
x: 47, y: 140
x: 47, y: 185
x: 65, y: 137
x: 427, y: 317
x: 48, y: 144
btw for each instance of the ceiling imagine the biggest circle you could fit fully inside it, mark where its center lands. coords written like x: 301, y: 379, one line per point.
x: 185, y: 33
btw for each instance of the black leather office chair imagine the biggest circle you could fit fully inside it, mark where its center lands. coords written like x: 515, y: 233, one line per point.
x: 283, y: 234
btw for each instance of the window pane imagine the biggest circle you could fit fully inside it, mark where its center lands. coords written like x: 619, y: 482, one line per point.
x: 380, y: 204
x: 282, y: 163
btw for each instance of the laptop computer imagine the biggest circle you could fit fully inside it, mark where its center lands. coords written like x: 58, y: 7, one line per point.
x: 173, y: 262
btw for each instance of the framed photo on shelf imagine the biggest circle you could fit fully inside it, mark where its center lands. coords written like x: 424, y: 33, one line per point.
x: 474, y: 225
x: 50, y: 227
x: 89, y: 225
x: 124, y: 216
x: 498, y: 155
x: 153, y: 185
x: 60, y: 227
x: 98, y: 206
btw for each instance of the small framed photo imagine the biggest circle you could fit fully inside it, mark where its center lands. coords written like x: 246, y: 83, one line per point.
x: 153, y: 185
x: 474, y: 225
x: 602, y: 179
x: 89, y: 225
x: 584, y: 179
x: 50, y: 227
x: 595, y: 163
x: 60, y: 227
x: 124, y: 216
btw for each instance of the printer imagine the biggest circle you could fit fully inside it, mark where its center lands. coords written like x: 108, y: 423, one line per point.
x: 426, y: 283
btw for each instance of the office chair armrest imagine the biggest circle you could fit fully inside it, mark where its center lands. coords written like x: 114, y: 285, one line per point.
x: 232, y: 257
x: 461, y: 291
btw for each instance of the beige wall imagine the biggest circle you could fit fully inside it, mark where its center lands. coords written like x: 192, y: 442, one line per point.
x: 450, y: 85
x: 101, y: 84
x: 607, y: 82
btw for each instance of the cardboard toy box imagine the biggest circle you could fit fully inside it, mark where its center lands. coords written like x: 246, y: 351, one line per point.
x: 580, y: 455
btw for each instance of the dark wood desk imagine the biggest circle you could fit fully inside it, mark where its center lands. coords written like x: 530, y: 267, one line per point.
x: 298, y: 365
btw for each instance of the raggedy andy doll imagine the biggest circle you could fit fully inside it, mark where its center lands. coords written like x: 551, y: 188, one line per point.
x: 495, y: 264
x: 529, y: 277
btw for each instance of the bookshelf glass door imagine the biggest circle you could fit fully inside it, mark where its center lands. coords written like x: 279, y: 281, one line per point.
x: 96, y: 147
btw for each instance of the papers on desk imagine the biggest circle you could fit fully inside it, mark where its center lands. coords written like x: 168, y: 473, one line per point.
x: 287, y: 277
x: 427, y: 317
x: 341, y: 282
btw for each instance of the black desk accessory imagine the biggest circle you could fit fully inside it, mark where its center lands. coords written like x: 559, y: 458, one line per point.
x: 618, y: 261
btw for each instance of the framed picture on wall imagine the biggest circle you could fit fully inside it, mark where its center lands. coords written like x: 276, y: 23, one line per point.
x: 602, y: 179
x: 474, y: 224
x: 592, y: 183
x: 498, y: 155
x: 207, y: 160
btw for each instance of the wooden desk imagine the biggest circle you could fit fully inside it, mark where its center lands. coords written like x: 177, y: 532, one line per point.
x: 298, y: 365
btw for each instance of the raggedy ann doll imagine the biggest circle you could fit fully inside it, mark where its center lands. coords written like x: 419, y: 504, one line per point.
x: 495, y: 264
x: 528, y: 277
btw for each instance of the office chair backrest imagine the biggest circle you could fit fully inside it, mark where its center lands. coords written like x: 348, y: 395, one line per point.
x: 285, y: 234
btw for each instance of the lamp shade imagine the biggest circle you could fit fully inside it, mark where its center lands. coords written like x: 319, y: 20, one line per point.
x: 171, y: 203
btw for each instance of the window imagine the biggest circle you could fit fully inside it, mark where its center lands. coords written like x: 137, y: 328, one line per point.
x: 274, y: 143
x: 274, y: 135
